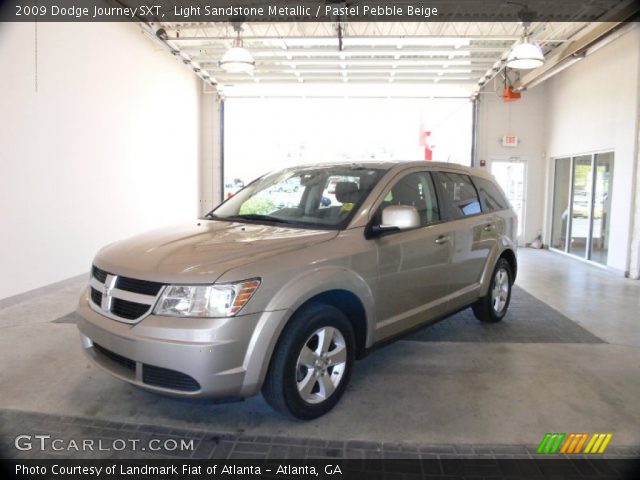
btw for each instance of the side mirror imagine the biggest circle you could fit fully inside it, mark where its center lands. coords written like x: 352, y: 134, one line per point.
x: 397, y: 217
x: 401, y: 217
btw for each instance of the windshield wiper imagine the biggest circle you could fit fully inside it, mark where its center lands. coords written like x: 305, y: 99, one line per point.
x: 257, y: 216
x: 211, y: 215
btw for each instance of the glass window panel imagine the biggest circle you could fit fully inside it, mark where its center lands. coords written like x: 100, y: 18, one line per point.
x: 561, y: 203
x: 581, y: 204
x: 510, y: 175
x: 602, y: 208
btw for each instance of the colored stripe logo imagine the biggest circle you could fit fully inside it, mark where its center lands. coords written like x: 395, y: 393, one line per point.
x: 555, y: 442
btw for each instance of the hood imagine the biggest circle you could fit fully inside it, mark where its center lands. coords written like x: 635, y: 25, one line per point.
x: 202, y: 253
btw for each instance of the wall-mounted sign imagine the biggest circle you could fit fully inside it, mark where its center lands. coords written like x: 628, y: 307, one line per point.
x: 510, y: 141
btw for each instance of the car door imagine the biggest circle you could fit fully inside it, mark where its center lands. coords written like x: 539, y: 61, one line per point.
x: 474, y: 235
x: 412, y: 264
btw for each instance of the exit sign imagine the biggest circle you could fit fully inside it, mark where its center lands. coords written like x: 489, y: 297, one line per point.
x: 510, y: 141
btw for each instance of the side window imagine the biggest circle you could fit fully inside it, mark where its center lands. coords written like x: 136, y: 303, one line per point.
x: 491, y: 198
x: 458, y: 196
x: 415, y: 190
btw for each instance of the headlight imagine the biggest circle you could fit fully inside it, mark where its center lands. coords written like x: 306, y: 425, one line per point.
x: 223, y: 300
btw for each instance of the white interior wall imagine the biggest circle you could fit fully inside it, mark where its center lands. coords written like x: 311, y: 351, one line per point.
x: 593, y: 107
x: 106, y: 148
x: 210, y: 158
x: 525, y: 118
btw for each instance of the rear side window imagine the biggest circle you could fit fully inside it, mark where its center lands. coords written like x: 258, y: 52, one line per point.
x: 491, y: 197
x: 458, y: 196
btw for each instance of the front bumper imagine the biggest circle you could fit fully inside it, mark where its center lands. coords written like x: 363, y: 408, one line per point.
x: 189, y: 357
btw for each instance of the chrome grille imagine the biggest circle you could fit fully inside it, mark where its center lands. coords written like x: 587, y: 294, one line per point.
x: 122, y: 298
x: 96, y: 296
x: 128, y: 310
x: 138, y: 286
x: 101, y: 275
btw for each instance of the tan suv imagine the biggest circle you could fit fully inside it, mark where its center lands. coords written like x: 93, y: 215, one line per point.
x: 280, y: 289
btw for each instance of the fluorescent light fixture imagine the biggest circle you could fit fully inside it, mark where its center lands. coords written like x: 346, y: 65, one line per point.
x: 525, y: 56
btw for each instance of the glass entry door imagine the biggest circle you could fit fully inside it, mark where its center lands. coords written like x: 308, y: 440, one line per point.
x: 511, y: 176
x: 582, y: 206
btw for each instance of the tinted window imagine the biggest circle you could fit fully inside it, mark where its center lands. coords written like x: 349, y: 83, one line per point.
x: 491, y: 198
x: 458, y: 196
x: 415, y: 190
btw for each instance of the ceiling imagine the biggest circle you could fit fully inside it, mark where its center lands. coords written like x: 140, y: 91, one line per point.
x: 399, y: 59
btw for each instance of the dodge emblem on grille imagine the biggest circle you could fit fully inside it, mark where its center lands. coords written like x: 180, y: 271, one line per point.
x: 109, y: 285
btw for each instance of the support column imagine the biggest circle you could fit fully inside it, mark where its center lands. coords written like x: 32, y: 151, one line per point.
x: 634, y: 249
x: 210, y: 169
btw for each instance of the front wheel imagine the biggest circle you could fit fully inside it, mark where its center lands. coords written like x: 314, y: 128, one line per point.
x: 493, y: 307
x: 312, y: 363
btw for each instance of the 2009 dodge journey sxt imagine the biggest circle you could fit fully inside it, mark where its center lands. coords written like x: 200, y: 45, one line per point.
x: 286, y: 283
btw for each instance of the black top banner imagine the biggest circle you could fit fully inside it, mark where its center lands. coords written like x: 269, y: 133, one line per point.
x: 317, y: 10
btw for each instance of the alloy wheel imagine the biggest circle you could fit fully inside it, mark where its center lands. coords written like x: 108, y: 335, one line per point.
x: 321, y: 365
x: 500, y: 291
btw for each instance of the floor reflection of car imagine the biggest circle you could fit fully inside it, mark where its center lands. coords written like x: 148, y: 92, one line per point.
x: 256, y: 296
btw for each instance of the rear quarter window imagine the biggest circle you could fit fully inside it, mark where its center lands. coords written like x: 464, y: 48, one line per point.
x: 457, y: 194
x: 491, y: 197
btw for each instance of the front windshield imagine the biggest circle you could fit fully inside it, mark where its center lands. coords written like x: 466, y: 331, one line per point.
x: 324, y: 197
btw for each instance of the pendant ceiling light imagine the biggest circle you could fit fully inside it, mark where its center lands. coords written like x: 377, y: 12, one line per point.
x: 237, y: 59
x: 526, y: 54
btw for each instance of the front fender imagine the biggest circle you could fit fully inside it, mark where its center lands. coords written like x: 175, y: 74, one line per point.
x: 286, y: 302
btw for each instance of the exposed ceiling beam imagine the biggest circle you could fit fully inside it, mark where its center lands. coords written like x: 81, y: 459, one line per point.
x: 424, y: 80
x: 378, y: 38
x: 395, y: 71
x: 371, y: 62
x: 385, y: 75
x: 280, y: 52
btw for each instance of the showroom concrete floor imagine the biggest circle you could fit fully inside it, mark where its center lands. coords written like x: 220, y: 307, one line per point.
x: 446, y: 393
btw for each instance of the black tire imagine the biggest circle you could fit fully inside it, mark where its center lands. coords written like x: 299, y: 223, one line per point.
x: 484, y: 309
x: 280, y: 388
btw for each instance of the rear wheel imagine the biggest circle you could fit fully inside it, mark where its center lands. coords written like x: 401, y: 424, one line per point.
x: 312, y: 363
x: 493, y: 307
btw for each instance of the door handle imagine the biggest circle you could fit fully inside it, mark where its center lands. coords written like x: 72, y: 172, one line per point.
x: 489, y: 227
x: 441, y: 240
